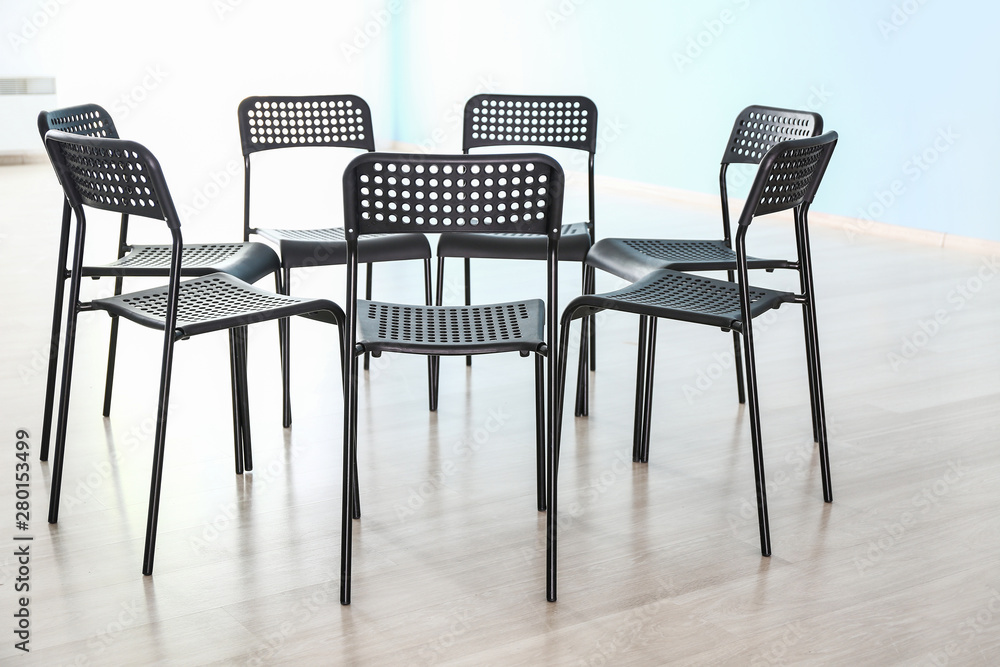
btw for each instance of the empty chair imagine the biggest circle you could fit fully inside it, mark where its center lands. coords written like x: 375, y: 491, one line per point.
x: 123, y: 177
x: 552, y: 121
x: 329, y: 121
x: 392, y: 193
x: 787, y: 178
x: 755, y: 130
x: 247, y: 261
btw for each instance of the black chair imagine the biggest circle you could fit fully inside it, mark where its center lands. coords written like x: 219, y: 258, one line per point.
x: 123, y: 177
x: 331, y: 121
x: 393, y: 193
x: 755, y: 131
x: 554, y: 121
x: 248, y: 261
x: 787, y: 178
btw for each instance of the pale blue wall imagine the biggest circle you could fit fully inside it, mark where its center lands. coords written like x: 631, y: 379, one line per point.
x: 891, y: 91
x: 910, y: 86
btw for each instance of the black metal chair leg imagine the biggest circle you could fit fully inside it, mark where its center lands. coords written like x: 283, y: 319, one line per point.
x: 582, y: 408
x: 57, y: 315
x: 647, y: 408
x: 433, y: 362
x: 349, y: 479
x: 737, y: 357
x: 468, y: 295
x: 640, y: 386
x: 241, y: 337
x: 285, y: 335
x: 368, y: 297
x: 109, y: 379
x: 540, y: 428
x: 156, y: 482
x: 438, y: 299
x: 591, y: 282
x: 237, y: 421
x: 64, y: 394
x: 756, y: 444
x: 552, y: 464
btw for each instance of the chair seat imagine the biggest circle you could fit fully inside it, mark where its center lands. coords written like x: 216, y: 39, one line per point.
x: 327, y: 247
x: 213, y: 303
x: 683, y: 296
x: 632, y: 259
x: 574, y: 242
x: 451, y: 330
x: 247, y: 261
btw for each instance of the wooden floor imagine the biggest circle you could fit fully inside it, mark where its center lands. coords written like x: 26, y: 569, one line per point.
x: 659, y: 562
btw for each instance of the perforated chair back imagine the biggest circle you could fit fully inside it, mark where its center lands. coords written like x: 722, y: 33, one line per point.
x: 789, y: 175
x: 558, y: 121
x: 270, y: 122
x: 758, y: 128
x: 110, y: 174
x: 386, y: 193
x: 89, y: 120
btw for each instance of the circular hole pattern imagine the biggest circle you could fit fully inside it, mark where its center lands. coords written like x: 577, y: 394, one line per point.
x: 279, y: 123
x: 515, y: 121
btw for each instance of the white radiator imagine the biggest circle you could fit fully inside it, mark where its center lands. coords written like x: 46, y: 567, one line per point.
x: 20, y: 101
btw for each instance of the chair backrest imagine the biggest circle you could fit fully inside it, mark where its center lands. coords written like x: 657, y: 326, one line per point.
x: 556, y: 121
x: 789, y: 174
x: 756, y: 130
x: 89, y: 120
x: 110, y: 174
x: 397, y: 192
x: 270, y: 122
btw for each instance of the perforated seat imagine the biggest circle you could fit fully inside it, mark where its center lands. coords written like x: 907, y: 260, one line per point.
x: 213, y: 303
x: 306, y: 247
x: 632, y: 259
x: 506, y: 327
x: 788, y: 177
x: 484, y: 195
x: 318, y: 121
x: 755, y: 131
x: 248, y: 261
x: 123, y: 177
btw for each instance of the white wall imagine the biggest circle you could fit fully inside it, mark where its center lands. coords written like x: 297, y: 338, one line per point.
x: 907, y: 83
